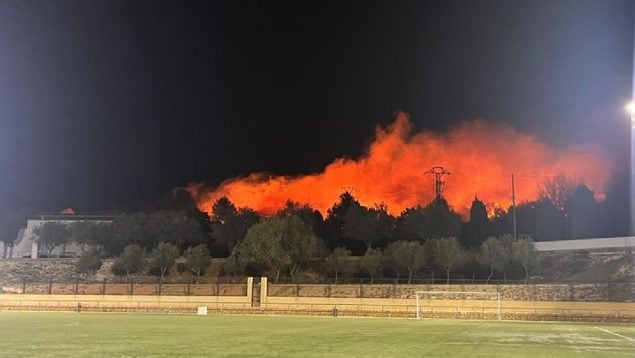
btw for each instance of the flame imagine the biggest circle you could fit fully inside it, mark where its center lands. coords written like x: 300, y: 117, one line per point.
x: 480, y: 155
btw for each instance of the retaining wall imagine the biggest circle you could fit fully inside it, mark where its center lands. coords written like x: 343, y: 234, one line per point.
x: 590, y: 292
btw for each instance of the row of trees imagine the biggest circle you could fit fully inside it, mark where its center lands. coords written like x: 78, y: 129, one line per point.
x: 161, y: 259
x: 286, y: 243
x: 289, y: 244
x: 298, y: 235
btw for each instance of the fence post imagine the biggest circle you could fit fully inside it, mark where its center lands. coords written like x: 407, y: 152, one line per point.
x: 103, y: 287
x: 187, y: 293
x: 76, y: 285
x: 24, y: 285
x: 160, y: 283
x: 394, y: 290
x: 50, y: 285
x: 131, y: 287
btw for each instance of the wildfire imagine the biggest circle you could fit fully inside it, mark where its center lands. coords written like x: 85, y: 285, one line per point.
x: 480, y: 155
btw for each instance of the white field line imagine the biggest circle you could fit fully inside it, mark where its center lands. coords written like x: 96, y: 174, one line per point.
x: 615, y: 334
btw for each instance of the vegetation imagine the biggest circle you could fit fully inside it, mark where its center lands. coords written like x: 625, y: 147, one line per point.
x: 279, y: 243
x: 371, y: 263
x: 197, y: 259
x: 52, y: 234
x: 131, y: 261
x: 90, y: 262
x: 405, y: 255
x: 446, y: 253
x: 420, y: 242
x: 337, y: 261
x: 163, y: 257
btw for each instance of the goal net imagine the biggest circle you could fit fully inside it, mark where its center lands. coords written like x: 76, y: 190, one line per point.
x: 426, y: 298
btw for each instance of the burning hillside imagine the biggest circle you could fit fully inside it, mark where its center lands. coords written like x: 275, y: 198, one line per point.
x: 480, y: 155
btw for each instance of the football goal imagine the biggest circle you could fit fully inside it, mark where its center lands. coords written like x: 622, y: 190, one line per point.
x: 423, y: 296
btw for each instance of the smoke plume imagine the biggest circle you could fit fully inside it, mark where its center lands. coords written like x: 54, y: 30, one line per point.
x: 481, y: 157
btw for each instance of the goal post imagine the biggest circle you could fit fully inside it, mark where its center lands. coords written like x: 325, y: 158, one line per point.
x: 419, y: 295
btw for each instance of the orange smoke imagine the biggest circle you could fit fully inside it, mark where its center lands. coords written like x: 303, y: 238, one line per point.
x: 480, y: 155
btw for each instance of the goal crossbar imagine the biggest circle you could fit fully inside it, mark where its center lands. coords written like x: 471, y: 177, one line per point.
x: 418, y: 294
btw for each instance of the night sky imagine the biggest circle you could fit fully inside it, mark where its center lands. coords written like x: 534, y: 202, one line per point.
x: 111, y: 104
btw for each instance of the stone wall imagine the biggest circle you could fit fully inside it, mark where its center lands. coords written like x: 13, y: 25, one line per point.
x: 593, y: 292
x: 15, y: 270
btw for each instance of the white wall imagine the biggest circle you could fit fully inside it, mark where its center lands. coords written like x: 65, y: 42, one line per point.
x: 587, y: 244
x: 26, y: 245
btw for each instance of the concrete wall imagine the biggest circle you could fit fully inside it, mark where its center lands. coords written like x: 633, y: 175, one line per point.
x: 111, y: 303
x: 624, y: 242
x: 26, y: 245
x: 465, y: 307
x: 596, y: 292
x: 472, y: 309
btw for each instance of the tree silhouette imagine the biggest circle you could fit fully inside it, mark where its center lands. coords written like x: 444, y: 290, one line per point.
x: 474, y: 232
x: 582, y: 214
x: 411, y: 225
x: 369, y: 225
x: 229, y: 224
x: 334, y: 223
x: 558, y: 189
x: 440, y: 220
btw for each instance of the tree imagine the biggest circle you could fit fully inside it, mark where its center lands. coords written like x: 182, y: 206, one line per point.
x: 90, y: 262
x: 176, y: 227
x: 130, y: 229
x: 300, y: 243
x: 197, y: 259
x: 279, y: 243
x: 524, y: 252
x: 405, y: 255
x: 506, y: 256
x: 229, y: 224
x: 307, y: 214
x: 129, y: 262
x: 558, y: 189
x: 334, y: 223
x: 478, y: 228
x: 371, y: 263
x: 447, y: 253
x: 411, y: 225
x: 234, y: 264
x: 163, y: 257
x: 369, y: 225
x: 89, y: 233
x: 582, y: 214
x: 52, y: 234
x: 440, y: 220
x: 11, y: 220
x: 540, y: 219
x: 493, y: 255
x: 338, y: 261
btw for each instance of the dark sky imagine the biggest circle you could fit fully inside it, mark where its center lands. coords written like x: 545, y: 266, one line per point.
x: 108, y: 104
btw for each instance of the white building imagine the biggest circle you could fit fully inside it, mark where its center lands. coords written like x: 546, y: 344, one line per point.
x: 26, y: 246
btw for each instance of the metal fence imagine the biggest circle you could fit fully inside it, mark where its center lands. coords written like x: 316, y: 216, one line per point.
x: 223, y: 286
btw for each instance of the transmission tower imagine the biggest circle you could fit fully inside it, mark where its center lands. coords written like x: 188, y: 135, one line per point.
x: 438, y: 173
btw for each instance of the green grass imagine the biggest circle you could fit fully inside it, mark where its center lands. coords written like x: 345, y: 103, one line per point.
x: 137, y: 335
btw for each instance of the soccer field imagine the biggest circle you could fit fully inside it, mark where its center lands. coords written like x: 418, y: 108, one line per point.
x: 144, y: 335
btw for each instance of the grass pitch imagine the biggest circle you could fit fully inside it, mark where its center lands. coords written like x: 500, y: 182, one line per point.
x: 144, y: 335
